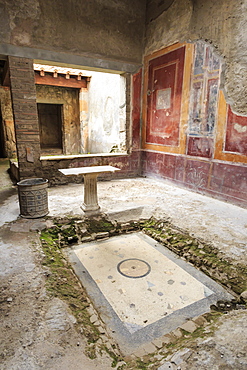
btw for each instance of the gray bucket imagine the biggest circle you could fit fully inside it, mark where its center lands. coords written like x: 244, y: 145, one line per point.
x: 33, y: 198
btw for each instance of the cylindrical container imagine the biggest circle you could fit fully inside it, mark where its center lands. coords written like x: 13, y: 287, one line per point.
x: 33, y: 198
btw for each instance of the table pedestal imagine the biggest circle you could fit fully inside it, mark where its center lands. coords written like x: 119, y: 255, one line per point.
x: 90, y: 205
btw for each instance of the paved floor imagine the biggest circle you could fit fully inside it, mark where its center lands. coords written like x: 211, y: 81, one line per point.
x: 141, y: 290
x: 222, y: 224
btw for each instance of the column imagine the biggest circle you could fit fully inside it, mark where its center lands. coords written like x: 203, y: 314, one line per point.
x: 25, y: 114
x: 90, y: 205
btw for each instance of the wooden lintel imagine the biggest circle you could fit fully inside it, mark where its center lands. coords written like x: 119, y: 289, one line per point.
x: 60, y: 81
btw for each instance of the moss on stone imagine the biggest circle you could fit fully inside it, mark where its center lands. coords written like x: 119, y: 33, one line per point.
x: 201, y: 254
x: 101, y: 224
x: 62, y: 283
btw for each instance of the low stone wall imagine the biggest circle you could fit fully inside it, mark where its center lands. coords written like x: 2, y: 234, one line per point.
x: 128, y: 164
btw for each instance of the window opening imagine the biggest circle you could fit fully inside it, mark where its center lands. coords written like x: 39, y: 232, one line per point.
x: 101, y: 105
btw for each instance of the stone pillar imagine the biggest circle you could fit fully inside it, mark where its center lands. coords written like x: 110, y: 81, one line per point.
x: 83, y: 102
x: 90, y: 205
x: 25, y: 116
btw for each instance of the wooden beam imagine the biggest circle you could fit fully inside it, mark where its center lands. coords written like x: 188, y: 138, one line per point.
x: 60, y: 81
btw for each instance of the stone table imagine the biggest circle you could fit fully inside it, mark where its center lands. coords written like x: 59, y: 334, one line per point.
x: 90, y: 174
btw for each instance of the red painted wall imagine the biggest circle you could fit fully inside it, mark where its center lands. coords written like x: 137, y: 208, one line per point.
x: 222, y: 180
x: 164, y: 98
x: 236, y: 133
x: 200, y: 166
x: 196, y: 169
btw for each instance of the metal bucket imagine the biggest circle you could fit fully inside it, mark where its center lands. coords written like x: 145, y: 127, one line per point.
x: 33, y: 198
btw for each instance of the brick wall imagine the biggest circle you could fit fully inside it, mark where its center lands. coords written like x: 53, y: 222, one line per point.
x: 25, y: 116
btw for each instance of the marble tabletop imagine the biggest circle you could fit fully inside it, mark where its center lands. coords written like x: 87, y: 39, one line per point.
x: 88, y: 170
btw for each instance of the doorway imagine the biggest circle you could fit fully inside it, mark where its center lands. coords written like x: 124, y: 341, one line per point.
x: 50, y: 127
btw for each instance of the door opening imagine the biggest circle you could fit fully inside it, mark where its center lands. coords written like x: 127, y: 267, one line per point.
x: 50, y: 127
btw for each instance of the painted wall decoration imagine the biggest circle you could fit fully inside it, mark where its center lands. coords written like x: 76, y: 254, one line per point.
x: 236, y: 133
x: 164, y: 93
x: 203, y: 101
x: 206, y: 147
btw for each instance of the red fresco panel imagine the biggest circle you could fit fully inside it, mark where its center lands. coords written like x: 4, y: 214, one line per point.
x: 134, y: 161
x: 143, y: 162
x: 229, y: 179
x: 164, y: 98
x: 136, y: 111
x: 154, y: 163
x: 169, y: 166
x: 122, y: 163
x: 200, y: 146
x: 180, y: 168
x: 236, y: 133
x: 197, y: 173
x: 236, y: 178
x: 162, y: 164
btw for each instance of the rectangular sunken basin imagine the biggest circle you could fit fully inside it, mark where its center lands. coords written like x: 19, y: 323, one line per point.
x: 141, y: 289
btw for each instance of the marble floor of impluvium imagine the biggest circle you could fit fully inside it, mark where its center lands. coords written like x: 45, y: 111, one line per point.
x: 140, y: 289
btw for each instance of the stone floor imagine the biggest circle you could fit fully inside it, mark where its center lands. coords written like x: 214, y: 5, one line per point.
x: 37, y: 331
x: 141, y: 290
x: 220, y: 223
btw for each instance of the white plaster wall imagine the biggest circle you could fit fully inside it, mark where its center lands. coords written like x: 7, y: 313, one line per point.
x: 107, y: 113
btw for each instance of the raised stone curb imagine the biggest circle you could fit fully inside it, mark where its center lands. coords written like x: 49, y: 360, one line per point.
x: 200, y: 321
x: 189, y: 326
x: 177, y: 332
x: 93, y: 319
x: 145, y: 349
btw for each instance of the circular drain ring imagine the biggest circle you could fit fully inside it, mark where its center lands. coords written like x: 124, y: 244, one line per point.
x: 133, y: 268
